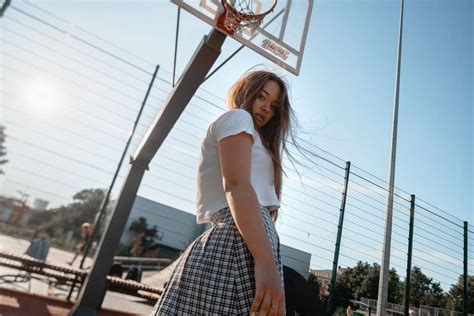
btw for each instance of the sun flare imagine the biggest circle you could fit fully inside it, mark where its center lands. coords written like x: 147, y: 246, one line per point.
x: 42, y: 96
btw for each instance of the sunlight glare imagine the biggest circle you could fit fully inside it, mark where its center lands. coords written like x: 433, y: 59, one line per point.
x: 42, y: 96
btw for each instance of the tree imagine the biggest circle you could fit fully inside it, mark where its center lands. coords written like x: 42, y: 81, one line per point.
x: 302, y: 296
x: 424, y: 291
x: 316, y: 287
x: 435, y: 297
x: 85, y: 205
x: 395, y: 287
x: 362, y: 280
x: 348, y: 285
x: 145, y: 234
x: 39, y: 217
x: 314, y: 283
x: 3, y: 151
x: 455, y: 295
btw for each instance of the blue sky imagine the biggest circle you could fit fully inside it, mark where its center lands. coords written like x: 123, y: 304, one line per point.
x: 343, y: 98
x: 344, y: 95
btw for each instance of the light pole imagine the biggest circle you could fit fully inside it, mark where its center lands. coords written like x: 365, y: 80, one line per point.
x: 385, y: 266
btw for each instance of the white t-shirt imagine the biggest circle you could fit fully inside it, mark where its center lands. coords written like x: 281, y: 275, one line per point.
x: 210, y: 192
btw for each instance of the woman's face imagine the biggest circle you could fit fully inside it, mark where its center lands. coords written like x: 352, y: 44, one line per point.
x: 266, y: 103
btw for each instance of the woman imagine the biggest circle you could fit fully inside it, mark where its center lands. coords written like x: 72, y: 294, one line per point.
x: 235, y: 268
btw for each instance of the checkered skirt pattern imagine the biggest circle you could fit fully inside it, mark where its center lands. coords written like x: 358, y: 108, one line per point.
x: 215, y: 274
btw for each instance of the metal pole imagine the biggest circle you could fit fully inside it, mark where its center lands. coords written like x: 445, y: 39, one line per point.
x: 105, y: 201
x: 95, y: 285
x: 4, y: 7
x: 409, y: 256
x: 332, y: 287
x: 224, y: 62
x: 176, y: 45
x: 464, y: 290
x: 124, y: 153
x: 385, y: 266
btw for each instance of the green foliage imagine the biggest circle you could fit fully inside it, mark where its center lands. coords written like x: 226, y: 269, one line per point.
x: 396, y: 287
x: 362, y: 280
x: 16, y: 231
x: 3, y: 151
x: 57, y: 222
x: 314, y: 283
x: 39, y: 217
x: 455, y: 295
x: 424, y: 291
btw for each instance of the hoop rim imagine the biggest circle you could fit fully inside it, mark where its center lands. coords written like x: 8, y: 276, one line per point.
x: 245, y: 16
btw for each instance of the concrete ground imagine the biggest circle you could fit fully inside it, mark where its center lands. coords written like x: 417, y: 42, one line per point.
x: 37, y: 290
x: 19, y: 303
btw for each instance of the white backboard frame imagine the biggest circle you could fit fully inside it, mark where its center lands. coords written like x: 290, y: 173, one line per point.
x: 272, y: 46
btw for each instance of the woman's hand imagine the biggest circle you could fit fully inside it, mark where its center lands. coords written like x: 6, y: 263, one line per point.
x: 269, y: 296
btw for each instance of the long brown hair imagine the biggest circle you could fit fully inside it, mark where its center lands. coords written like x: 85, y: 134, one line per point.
x: 277, y: 131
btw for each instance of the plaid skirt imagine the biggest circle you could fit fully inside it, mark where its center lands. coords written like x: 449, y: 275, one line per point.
x: 215, y: 274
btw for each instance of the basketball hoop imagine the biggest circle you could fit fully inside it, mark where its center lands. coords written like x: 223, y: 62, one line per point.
x: 275, y: 29
x: 238, y: 15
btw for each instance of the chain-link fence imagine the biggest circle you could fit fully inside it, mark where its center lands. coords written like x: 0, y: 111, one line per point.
x: 397, y: 309
x: 69, y: 102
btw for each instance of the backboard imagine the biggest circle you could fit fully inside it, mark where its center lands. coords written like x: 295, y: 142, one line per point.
x: 281, y: 37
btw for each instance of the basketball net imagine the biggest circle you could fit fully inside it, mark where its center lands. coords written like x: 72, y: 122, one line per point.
x: 238, y: 15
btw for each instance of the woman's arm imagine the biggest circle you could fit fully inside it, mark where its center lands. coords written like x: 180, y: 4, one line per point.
x: 235, y: 164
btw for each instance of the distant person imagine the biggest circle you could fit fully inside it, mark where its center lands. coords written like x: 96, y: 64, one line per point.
x: 349, y: 310
x: 235, y: 268
x: 411, y: 310
x: 39, y: 246
x: 136, y: 249
x: 134, y: 272
x: 85, y: 234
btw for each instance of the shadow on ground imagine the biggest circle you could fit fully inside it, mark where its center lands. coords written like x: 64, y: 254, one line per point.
x: 15, y: 303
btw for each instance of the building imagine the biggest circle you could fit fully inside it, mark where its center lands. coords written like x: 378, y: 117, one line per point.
x: 40, y: 204
x: 324, y: 278
x: 177, y: 229
x: 296, y: 259
x: 14, y: 211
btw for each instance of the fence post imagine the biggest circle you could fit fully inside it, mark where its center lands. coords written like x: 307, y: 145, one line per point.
x: 464, y: 290
x: 332, y: 286
x: 4, y: 7
x: 410, y: 249
x: 105, y: 201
